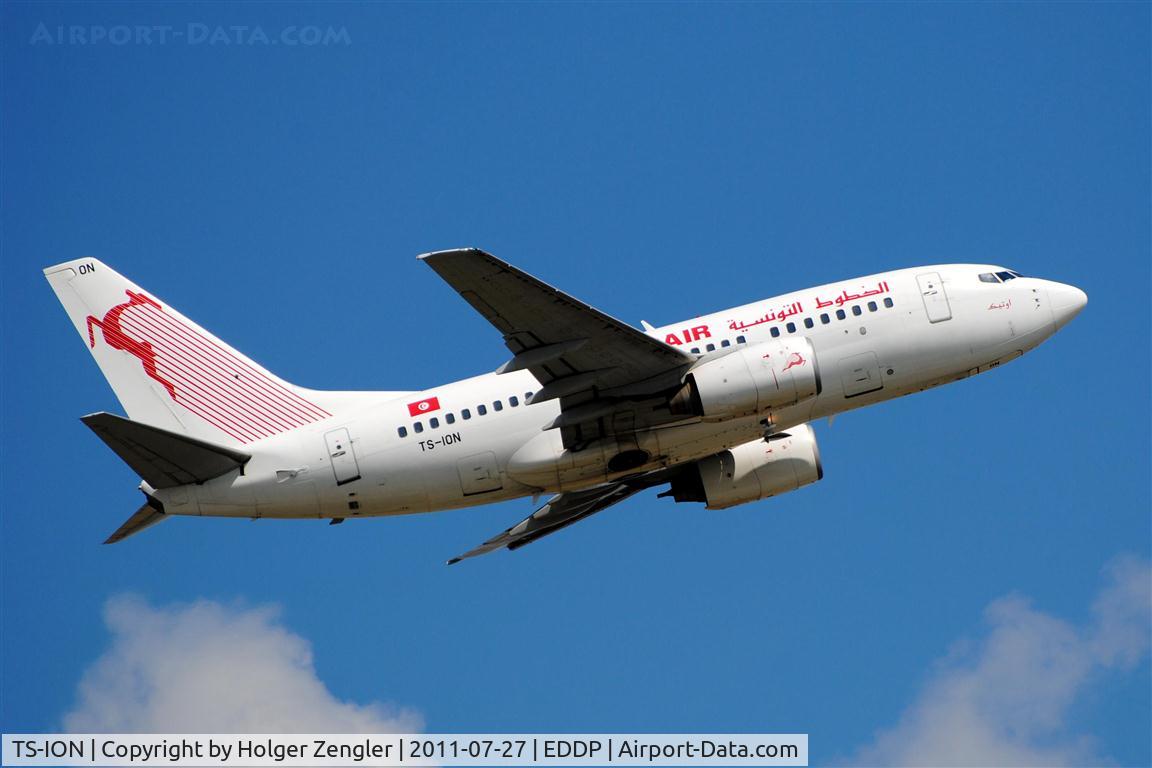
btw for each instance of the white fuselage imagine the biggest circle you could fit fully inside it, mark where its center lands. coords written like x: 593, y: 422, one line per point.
x: 874, y: 338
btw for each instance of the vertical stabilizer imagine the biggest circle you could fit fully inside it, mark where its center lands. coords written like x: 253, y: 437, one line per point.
x: 169, y: 372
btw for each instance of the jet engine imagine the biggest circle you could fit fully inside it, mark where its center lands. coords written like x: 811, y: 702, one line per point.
x: 750, y: 380
x: 751, y: 471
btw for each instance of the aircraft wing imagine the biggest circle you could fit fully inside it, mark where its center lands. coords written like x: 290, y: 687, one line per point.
x: 559, y: 512
x: 570, y: 347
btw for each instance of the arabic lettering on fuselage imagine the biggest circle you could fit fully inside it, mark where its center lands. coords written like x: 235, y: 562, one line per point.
x: 796, y: 307
x: 777, y: 315
x: 845, y: 297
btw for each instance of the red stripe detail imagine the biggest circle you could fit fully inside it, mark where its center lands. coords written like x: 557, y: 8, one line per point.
x: 195, y: 399
x: 261, y: 375
x: 246, y: 408
x: 196, y: 375
x: 197, y: 381
x: 260, y: 381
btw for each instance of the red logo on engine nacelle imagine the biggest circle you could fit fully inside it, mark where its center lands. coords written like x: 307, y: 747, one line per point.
x: 794, y: 360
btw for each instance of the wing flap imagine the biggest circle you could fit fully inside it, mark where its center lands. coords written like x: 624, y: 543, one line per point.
x: 559, y: 512
x: 163, y: 459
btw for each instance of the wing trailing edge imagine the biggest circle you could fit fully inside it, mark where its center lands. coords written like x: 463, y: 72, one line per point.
x: 566, y: 508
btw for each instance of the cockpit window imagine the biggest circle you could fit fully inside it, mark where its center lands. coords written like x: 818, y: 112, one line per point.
x: 999, y: 277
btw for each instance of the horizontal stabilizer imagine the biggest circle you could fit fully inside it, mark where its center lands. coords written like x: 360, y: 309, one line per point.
x: 148, y: 515
x: 164, y: 459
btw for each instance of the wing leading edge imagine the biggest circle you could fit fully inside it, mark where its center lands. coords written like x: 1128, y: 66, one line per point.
x: 569, y: 346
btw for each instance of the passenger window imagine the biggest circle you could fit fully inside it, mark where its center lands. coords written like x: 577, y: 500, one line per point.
x: 481, y: 410
x: 808, y: 322
x: 466, y: 414
x: 499, y: 406
x: 725, y: 343
x: 403, y: 431
x: 872, y: 306
x: 695, y: 350
x: 527, y: 398
x: 857, y: 311
x: 417, y: 427
x: 434, y: 423
x: 825, y: 319
x: 741, y: 340
x: 840, y: 314
x: 775, y: 331
x: 791, y: 327
x: 513, y: 401
x: 450, y: 418
x: 888, y: 303
x: 711, y: 347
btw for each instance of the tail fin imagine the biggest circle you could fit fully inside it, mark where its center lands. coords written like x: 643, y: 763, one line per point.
x: 169, y: 372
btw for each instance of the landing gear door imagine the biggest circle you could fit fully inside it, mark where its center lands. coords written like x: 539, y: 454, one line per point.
x: 935, y: 299
x: 343, y: 457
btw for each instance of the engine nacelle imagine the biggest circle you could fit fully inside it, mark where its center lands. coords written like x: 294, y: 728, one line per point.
x: 752, y: 471
x: 751, y: 380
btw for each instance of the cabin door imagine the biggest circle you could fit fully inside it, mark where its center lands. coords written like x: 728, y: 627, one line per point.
x: 343, y: 457
x: 935, y: 299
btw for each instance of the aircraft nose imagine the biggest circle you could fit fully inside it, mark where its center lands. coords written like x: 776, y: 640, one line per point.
x: 1067, y: 301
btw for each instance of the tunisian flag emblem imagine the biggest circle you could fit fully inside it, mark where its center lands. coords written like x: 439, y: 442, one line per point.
x: 424, y: 406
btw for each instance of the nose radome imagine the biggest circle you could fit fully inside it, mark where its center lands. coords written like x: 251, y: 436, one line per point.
x: 1067, y: 301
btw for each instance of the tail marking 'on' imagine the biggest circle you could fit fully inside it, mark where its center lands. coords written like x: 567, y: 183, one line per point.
x: 208, y: 379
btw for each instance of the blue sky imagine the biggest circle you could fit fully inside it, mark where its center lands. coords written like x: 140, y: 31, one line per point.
x: 657, y: 161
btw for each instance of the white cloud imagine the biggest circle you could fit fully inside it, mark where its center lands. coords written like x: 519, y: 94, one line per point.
x: 1005, y: 700
x: 209, y: 668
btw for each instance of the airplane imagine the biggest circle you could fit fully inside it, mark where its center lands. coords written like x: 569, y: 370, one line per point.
x: 588, y: 409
